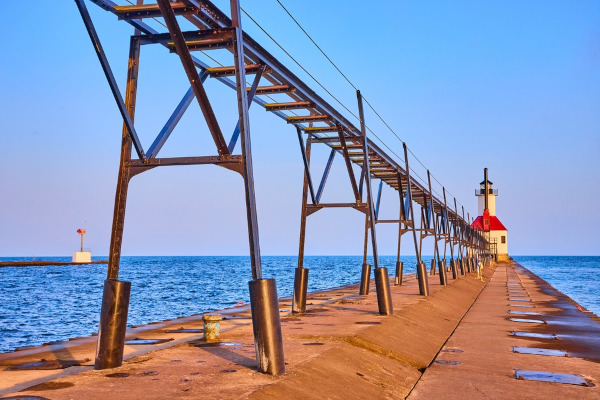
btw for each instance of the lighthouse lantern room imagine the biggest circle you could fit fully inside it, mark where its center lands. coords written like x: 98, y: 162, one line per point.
x: 488, y: 222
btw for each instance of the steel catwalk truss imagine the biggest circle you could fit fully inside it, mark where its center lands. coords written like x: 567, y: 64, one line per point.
x: 320, y: 122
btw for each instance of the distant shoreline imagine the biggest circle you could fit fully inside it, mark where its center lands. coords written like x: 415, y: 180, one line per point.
x: 41, y: 263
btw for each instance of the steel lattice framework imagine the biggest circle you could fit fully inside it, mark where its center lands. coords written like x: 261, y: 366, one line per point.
x: 320, y: 123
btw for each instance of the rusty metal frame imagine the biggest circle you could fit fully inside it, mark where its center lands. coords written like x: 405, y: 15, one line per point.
x: 215, y: 30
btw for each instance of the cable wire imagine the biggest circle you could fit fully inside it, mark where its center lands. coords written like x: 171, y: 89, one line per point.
x: 355, y: 88
x: 297, y: 63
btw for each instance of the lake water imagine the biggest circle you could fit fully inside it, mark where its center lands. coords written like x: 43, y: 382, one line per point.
x: 44, y: 304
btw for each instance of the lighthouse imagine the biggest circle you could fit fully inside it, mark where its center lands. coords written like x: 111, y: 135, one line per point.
x: 488, y: 222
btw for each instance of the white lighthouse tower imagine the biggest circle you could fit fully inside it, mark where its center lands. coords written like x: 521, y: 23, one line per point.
x: 488, y: 222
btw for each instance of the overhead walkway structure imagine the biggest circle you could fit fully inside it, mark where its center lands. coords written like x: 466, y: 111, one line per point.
x: 254, y: 75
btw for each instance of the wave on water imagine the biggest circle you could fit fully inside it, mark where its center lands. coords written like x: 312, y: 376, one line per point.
x: 52, y: 303
x: 576, y: 276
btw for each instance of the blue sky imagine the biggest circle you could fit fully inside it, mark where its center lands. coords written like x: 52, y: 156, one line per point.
x: 512, y: 86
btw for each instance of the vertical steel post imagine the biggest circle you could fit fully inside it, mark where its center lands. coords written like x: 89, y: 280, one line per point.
x: 263, y: 292
x: 401, y: 217
x: 301, y: 274
x: 113, y: 324
x: 242, y: 101
x: 458, y: 230
x: 423, y: 283
x: 385, y: 303
x: 115, y: 300
x: 436, y: 251
x: 422, y: 229
x: 449, y: 231
x: 365, y: 275
x: 365, y: 280
x: 422, y: 276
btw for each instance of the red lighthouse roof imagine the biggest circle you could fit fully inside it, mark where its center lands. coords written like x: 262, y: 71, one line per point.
x: 495, y: 224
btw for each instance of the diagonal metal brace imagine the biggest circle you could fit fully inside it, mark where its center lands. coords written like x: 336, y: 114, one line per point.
x: 190, y: 69
x: 357, y: 195
x: 325, y: 175
x: 378, y: 200
x: 89, y: 25
x: 166, y: 131
x: 306, y: 166
x: 251, y: 93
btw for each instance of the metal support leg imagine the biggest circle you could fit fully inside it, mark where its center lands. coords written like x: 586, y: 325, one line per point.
x: 371, y: 212
x: 109, y: 352
x: 454, y: 269
x: 442, y: 268
x: 113, y: 324
x: 266, y: 324
x: 301, y: 275
x: 300, y: 289
x: 384, y: 296
x: 432, y: 270
x: 462, y: 266
x: 399, y: 272
x: 365, y: 276
x: 423, y: 282
x: 365, y: 280
x: 421, y: 275
x: 263, y: 292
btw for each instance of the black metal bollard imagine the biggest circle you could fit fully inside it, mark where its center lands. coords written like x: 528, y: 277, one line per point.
x: 399, y: 272
x: 432, y: 270
x: 113, y: 324
x: 384, y: 296
x: 442, y: 268
x: 300, y: 288
x: 266, y: 324
x: 423, y: 282
x: 462, y: 266
x: 365, y: 278
x: 454, y: 268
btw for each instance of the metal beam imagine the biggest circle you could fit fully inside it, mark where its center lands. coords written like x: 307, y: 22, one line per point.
x: 325, y: 175
x: 87, y: 20
x: 348, y: 163
x: 371, y: 213
x: 306, y: 160
x: 190, y: 69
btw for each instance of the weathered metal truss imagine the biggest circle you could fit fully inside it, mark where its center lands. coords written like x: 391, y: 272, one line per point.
x: 320, y: 122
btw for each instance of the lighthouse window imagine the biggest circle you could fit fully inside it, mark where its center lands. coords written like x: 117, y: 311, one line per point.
x: 503, y: 238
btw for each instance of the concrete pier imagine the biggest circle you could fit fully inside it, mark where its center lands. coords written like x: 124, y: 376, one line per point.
x: 341, y: 348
